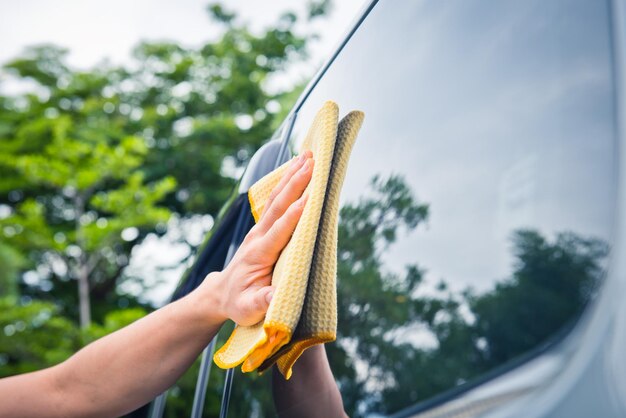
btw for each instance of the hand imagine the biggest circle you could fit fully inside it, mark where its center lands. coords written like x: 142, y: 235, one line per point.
x: 244, y: 286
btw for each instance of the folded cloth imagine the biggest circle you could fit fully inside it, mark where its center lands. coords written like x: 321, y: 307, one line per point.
x: 303, y: 311
x: 318, y: 321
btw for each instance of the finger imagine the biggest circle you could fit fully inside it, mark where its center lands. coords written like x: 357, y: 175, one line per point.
x: 257, y: 303
x: 280, y: 233
x: 290, y: 193
x: 293, y: 168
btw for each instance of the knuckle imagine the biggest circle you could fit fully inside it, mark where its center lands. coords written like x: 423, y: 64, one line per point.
x: 277, y: 209
x: 276, y: 231
x: 273, y: 239
x: 251, y: 236
x: 243, y: 253
x: 252, y: 233
x: 294, y: 209
x: 265, y: 257
x: 283, y: 234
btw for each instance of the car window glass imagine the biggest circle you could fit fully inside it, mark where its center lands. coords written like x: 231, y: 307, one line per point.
x: 477, y: 209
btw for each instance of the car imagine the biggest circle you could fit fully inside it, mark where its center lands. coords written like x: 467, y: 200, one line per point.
x: 482, y: 213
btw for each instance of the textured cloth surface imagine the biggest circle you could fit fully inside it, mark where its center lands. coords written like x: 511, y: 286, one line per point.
x: 303, y: 311
x: 318, y: 321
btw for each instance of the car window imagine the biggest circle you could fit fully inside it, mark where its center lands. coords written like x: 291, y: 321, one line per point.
x: 211, y: 257
x: 478, y: 205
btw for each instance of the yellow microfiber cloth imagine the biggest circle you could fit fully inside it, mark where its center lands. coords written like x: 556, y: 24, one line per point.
x: 303, y: 311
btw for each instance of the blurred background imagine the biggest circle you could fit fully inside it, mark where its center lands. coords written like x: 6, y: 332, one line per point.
x: 123, y: 129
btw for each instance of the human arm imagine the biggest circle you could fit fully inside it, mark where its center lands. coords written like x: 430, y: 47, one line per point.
x: 311, y: 391
x: 119, y: 372
x: 125, y: 369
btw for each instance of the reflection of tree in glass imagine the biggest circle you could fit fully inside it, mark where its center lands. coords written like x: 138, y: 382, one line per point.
x: 550, y: 285
x: 372, y: 302
x: 375, y: 366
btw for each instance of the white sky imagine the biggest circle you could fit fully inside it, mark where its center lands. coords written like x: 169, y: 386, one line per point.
x: 95, y: 31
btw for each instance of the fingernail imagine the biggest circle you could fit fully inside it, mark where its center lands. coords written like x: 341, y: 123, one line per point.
x: 269, y: 296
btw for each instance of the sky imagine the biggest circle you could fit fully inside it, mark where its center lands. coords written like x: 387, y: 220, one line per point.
x: 96, y: 31
x: 495, y: 128
x: 93, y: 31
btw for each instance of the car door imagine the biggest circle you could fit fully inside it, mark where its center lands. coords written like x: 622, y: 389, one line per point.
x: 478, y: 208
x: 234, y: 221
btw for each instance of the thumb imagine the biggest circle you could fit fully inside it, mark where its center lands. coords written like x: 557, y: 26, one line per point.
x: 265, y: 295
x: 257, y: 303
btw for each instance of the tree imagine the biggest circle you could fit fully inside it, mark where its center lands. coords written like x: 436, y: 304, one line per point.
x: 549, y: 288
x: 36, y: 336
x: 374, y: 303
x: 92, y: 161
x: 378, y: 369
x: 90, y: 194
x: 11, y: 262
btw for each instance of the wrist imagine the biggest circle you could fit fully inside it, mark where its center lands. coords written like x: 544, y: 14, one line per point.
x: 209, y: 299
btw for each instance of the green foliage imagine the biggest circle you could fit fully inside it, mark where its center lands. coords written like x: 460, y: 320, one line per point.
x: 379, y: 370
x: 374, y: 302
x: 219, y: 14
x: 550, y: 286
x: 93, y: 160
x: 34, y: 334
x: 87, y: 155
x: 319, y: 8
x: 113, y: 321
x: 88, y: 189
x: 11, y: 262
